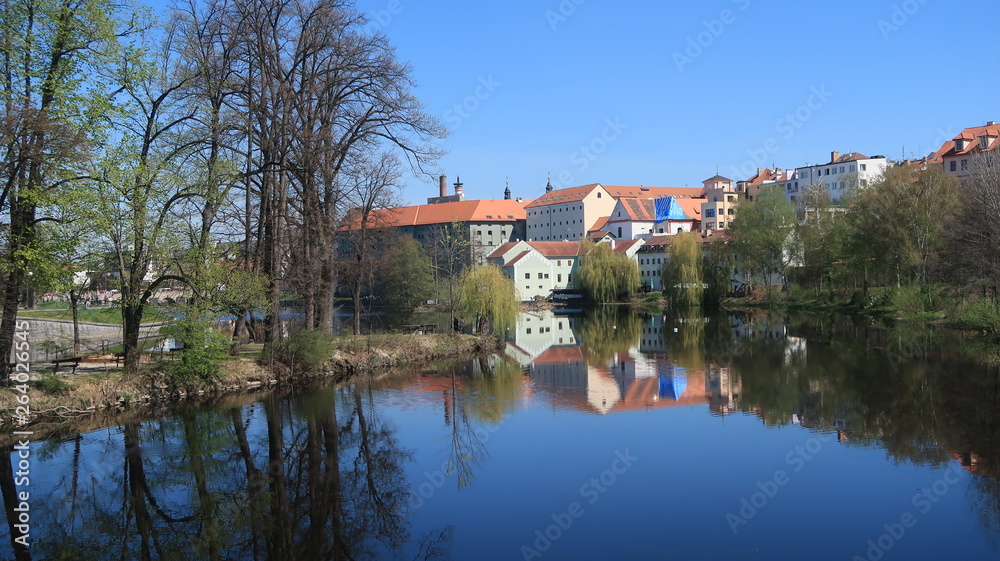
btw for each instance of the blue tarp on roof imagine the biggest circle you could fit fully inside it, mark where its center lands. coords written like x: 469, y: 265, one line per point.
x: 668, y: 209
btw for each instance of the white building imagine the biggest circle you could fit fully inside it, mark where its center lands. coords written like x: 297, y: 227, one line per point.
x: 568, y: 214
x: 838, y: 176
x: 538, y: 268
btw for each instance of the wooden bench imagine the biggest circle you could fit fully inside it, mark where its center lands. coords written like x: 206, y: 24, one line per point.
x: 74, y: 361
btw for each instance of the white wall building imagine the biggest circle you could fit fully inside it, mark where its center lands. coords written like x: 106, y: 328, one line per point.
x: 838, y: 176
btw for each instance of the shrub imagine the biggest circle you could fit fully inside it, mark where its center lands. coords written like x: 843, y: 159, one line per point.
x: 983, y: 315
x: 204, y: 351
x: 308, y: 349
x: 52, y: 385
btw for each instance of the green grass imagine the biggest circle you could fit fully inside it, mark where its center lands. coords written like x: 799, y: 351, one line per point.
x: 112, y: 315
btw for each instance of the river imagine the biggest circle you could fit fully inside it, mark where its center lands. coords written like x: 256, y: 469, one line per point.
x: 606, y: 436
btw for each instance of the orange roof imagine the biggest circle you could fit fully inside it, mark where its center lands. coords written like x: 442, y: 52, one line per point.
x: 559, y: 196
x: 971, y: 135
x: 655, y: 242
x: 442, y: 213
x: 637, y: 209
x: 691, y: 207
x: 653, y: 192
x: 599, y: 225
x: 572, y: 194
x: 519, y: 257
x: 500, y: 251
x: 556, y: 249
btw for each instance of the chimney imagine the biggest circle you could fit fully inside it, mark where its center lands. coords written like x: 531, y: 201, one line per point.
x: 760, y: 172
x: 458, y: 186
x: 443, y: 185
x: 834, y: 156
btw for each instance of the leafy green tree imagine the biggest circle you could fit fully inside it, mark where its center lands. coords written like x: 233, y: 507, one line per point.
x: 55, y: 105
x: 683, y: 275
x: 898, y: 224
x: 491, y: 297
x: 408, y: 278
x: 717, y: 267
x: 606, y: 276
x: 761, y: 237
x: 451, y: 253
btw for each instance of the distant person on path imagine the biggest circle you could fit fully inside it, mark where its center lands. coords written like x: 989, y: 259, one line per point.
x: 454, y: 324
x: 461, y: 326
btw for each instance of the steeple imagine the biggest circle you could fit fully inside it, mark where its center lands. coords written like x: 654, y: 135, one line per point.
x: 506, y: 192
x: 548, y: 186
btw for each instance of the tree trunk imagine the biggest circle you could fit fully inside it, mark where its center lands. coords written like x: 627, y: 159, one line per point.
x: 74, y: 303
x: 131, y: 323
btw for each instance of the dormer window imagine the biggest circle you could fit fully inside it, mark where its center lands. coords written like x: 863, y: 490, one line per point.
x: 984, y: 142
x: 959, y: 145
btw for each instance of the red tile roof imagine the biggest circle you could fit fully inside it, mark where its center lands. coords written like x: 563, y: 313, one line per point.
x: 560, y: 196
x: 636, y: 209
x: 572, y: 194
x: 653, y: 192
x: 600, y: 224
x: 443, y: 213
x: 971, y: 137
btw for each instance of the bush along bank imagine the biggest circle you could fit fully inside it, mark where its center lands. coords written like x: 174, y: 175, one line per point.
x: 56, y: 397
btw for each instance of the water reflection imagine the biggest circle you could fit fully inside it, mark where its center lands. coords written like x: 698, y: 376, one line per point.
x: 923, y: 395
x: 314, y: 478
x: 331, y: 474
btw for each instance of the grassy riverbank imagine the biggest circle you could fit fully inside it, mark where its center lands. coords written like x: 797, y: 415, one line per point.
x: 928, y: 304
x: 61, y: 396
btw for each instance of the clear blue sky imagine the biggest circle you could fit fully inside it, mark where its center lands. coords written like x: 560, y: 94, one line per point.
x: 925, y: 72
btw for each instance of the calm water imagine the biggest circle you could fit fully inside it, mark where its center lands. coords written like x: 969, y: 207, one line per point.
x: 606, y: 437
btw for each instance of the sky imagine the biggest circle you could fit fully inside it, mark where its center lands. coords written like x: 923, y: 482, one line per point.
x: 669, y: 93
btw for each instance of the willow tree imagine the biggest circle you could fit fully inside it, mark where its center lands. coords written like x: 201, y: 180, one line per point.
x: 683, y: 281
x: 490, y: 296
x: 606, y: 276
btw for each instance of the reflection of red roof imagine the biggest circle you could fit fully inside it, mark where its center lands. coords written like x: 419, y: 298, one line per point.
x: 443, y: 213
x: 560, y: 355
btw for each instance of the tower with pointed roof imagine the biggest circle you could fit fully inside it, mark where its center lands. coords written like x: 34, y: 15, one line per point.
x: 506, y: 192
x: 548, y: 186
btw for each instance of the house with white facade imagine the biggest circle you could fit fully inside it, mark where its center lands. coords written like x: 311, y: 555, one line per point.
x: 959, y: 153
x: 838, y: 176
x: 569, y: 214
x: 538, y: 268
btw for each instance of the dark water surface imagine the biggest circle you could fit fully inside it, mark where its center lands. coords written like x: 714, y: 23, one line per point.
x: 610, y: 436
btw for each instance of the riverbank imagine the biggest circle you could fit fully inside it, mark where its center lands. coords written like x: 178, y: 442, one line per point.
x: 55, y: 398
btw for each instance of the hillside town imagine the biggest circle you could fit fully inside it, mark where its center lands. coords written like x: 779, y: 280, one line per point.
x: 537, y: 241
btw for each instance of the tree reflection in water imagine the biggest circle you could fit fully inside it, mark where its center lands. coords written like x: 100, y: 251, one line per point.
x: 314, y: 478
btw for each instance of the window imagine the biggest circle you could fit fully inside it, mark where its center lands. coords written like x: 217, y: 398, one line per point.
x: 864, y: 167
x: 558, y: 278
x: 528, y: 331
x: 710, y: 213
x: 722, y: 225
x: 953, y: 164
x: 489, y: 216
x: 558, y: 263
x: 479, y: 232
x: 539, y: 276
x: 984, y: 142
x: 546, y: 275
x: 965, y: 164
x: 527, y: 275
